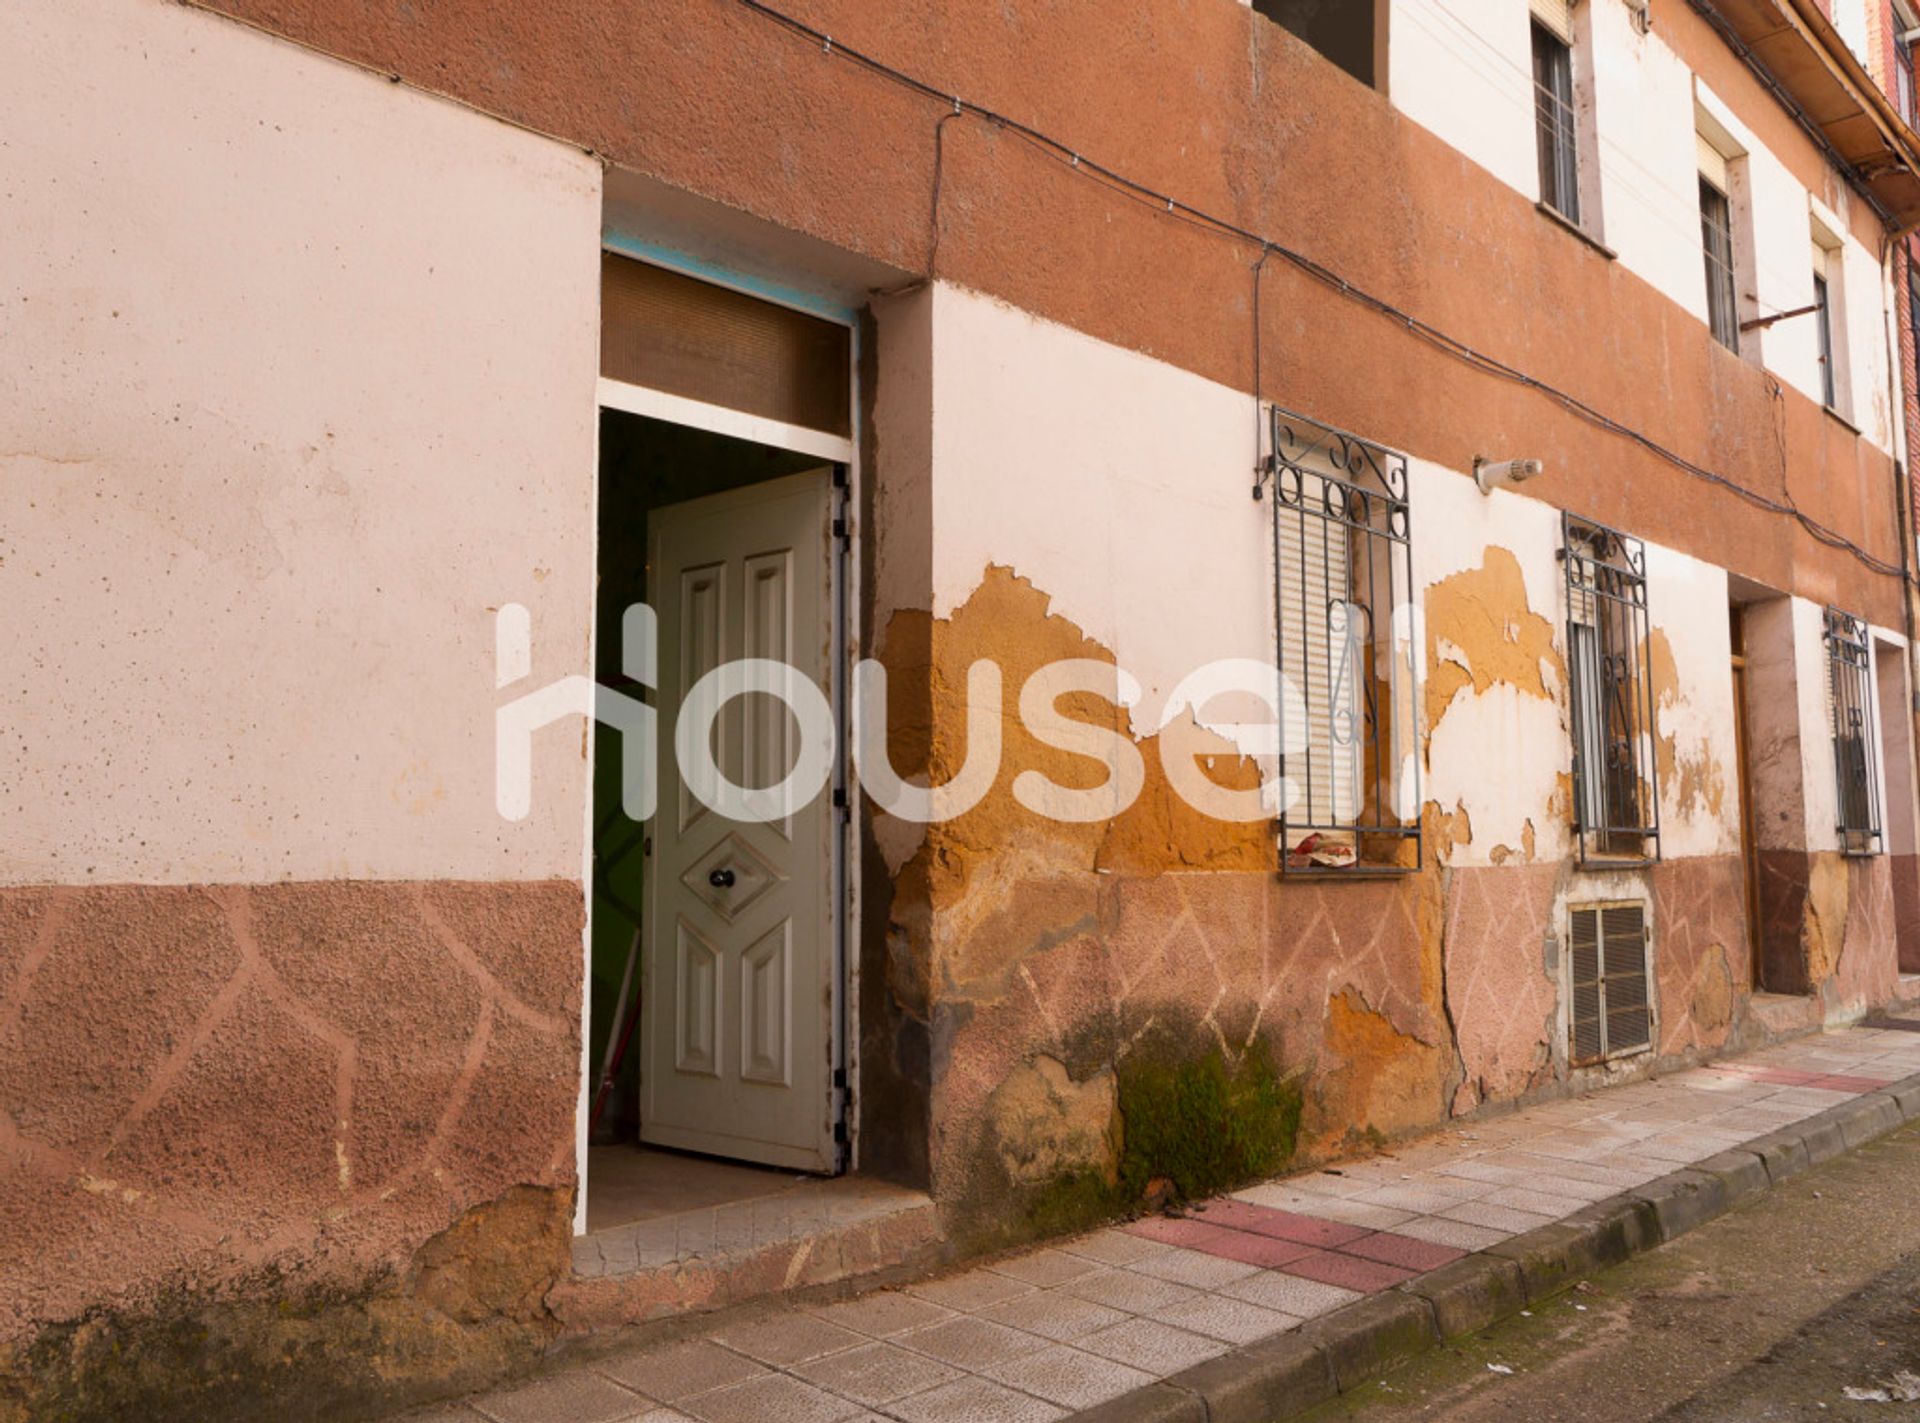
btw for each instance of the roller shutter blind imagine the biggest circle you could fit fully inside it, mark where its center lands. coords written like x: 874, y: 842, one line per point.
x: 1323, y: 650
x: 1557, y: 16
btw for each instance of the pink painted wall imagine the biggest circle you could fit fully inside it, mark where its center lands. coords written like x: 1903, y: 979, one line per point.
x: 299, y: 371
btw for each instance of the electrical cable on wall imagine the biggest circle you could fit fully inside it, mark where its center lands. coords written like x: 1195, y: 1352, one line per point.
x: 1448, y: 344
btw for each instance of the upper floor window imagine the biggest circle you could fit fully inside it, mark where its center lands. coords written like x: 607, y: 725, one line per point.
x: 1350, y: 33
x: 1610, y: 689
x: 1716, y: 241
x: 1343, y: 576
x: 1903, y: 91
x: 1829, y: 317
x: 1555, y: 134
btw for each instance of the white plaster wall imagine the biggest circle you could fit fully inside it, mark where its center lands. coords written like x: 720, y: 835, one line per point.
x: 1496, y: 754
x: 1118, y: 484
x: 1850, y: 18
x: 1649, y: 174
x: 1687, y: 603
x: 1463, y: 69
x: 297, y: 386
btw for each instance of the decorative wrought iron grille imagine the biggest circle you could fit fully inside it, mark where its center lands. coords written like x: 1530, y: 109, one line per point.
x: 1850, y: 703
x: 1343, y: 578
x: 1611, y: 1014
x: 1553, y: 129
x: 1616, y: 798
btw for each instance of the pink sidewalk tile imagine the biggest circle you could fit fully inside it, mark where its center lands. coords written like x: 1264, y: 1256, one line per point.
x: 1839, y: 1082
x: 1402, y: 1251
x: 1179, y: 1230
x: 1349, y: 1272
x: 1263, y: 1250
x: 1282, y: 1225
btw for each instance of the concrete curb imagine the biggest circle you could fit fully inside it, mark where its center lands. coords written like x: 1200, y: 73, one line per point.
x: 1285, y: 1375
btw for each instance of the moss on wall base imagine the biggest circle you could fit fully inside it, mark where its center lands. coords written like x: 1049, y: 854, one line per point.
x: 1187, y: 1123
x: 465, y: 1313
x: 1203, y: 1126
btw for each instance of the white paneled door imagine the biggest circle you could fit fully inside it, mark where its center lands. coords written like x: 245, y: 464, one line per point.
x: 739, y: 988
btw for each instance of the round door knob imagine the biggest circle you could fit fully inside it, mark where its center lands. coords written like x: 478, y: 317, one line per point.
x: 721, y: 879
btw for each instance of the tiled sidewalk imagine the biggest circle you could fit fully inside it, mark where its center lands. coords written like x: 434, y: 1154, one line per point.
x: 1037, y: 1336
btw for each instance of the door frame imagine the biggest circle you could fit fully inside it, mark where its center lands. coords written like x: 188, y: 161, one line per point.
x: 843, y: 453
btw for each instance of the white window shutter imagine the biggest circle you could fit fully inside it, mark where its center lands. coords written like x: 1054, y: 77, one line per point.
x: 1713, y: 163
x: 1557, y: 16
x: 1326, y: 712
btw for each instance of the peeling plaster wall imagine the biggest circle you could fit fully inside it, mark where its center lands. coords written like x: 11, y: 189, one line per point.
x: 1068, y: 479
x: 1119, y: 482
x: 1696, y: 753
x: 1494, y: 604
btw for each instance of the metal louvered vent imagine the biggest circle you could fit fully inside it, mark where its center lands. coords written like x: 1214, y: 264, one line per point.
x: 1612, y: 1013
x: 1588, y: 1043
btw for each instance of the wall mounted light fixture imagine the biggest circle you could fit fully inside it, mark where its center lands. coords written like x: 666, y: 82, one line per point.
x: 1498, y: 474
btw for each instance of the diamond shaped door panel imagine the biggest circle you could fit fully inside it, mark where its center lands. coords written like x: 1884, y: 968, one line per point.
x: 739, y: 998
x: 730, y: 878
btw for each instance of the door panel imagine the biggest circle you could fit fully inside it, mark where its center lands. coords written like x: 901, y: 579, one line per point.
x: 739, y: 1007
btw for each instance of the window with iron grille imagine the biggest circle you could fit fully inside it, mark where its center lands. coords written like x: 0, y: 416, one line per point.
x: 1850, y: 709
x: 1716, y: 237
x: 1616, y: 802
x: 1611, y: 1013
x: 1553, y: 127
x: 1349, y: 754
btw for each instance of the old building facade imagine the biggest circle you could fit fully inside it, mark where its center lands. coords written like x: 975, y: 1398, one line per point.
x: 1526, y: 385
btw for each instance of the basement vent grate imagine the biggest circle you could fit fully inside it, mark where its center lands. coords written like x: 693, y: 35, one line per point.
x: 1612, y: 1012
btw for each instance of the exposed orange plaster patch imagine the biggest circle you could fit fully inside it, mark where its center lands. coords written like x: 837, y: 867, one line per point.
x: 1697, y: 782
x: 1481, y: 615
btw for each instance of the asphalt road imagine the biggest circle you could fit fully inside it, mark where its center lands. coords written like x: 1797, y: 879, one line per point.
x: 1769, y: 1313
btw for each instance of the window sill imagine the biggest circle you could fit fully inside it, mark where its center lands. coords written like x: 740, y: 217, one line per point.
x: 1560, y: 219
x: 1369, y: 872
x: 1616, y: 862
x: 1833, y: 414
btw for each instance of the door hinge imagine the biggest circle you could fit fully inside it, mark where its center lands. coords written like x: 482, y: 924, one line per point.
x: 840, y: 530
x: 839, y: 1133
x: 840, y: 797
x: 840, y: 1078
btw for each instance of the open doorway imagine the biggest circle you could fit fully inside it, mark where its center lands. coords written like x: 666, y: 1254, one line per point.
x: 716, y: 1048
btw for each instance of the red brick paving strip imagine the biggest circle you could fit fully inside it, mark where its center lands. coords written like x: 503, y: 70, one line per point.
x: 1350, y: 1272
x: 1282, y: 1225
x: 1263, y: 1250
x: 1331, y: 1252
x: 1404, y: 1251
